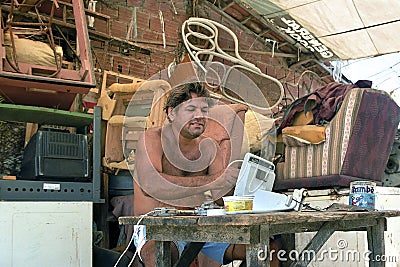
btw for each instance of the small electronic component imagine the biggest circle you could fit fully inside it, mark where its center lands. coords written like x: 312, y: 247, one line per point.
x: 199, y: 211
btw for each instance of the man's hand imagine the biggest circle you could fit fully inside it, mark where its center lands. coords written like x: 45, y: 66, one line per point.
x: 231, y: 175
x: 224, y: 183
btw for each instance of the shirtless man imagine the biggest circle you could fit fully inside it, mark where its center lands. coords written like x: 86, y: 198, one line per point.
x: 176, y: 164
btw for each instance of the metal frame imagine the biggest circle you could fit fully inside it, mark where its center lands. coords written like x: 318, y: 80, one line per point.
x: 48, y: 86
x: 69, y: 191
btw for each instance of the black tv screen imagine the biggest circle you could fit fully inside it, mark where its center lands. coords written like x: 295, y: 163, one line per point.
x: 56, y: 156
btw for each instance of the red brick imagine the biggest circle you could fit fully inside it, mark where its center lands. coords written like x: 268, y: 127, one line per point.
x: 112, y: 12
x: 134, y: 3
x: 152, y: 70
x: 96, y: 44
x: 139, y: 57
x: 151, y: 5
x: 152, y: 36
x: 266, y: 58
x: 271, y: 71
x: 125, y: 14
x: 170, y: 57
x: 100, y: 25
x: 158, y: 58
x: 280, y: 73
x: 180, y: 18
x: 167, y: 13
x: 290, y: 76
x: 137, y: 69
x: 262, y: 66
x: 215, y: 16
x: 172, y: 27
x: 274, y: 61
x: 155, y: 24
x: 258, y: 46
x: 123, y: 62
x: 180, y: 5
x: 292, y: 90
x: 119, y: 29
x: 104, y: 61
x: 172, y: 37
x: 98, y: 59
x: 225, y: 43
x: 142, y: 20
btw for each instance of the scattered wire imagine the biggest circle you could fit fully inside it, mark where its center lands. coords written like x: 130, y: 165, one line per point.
x: 306, y: 205
x: 130, y: 242
x: 162, y: 27
x: 173, y: 6
x: 274, y: 44
x: 232, y: 162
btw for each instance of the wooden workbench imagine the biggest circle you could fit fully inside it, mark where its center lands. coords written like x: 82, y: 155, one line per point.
x: 254, y: 230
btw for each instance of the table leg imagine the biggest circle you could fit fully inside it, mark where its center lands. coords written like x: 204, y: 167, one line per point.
x: 288, y: 244
x: 163, y: 253
x: 376, y: 242
x: 258, y: 252
x: 316, y: 243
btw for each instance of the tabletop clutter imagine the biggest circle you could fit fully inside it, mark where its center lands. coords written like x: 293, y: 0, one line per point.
x: 253, y: 194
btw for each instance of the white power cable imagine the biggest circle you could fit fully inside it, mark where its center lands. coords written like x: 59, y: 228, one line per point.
x: 234, y: 161
x: 130, y: 242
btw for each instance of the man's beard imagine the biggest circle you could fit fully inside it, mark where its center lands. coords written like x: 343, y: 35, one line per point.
x: 194, y: 129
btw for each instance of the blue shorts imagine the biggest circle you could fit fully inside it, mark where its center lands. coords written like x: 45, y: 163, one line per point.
x: 212, y: 250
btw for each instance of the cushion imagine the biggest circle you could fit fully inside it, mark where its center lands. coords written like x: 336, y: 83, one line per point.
x: 226, y: 127
x: 221, y: 122
x: 257, y: 127
x: 302, y: 118
x: 33, y: 52
x: 313, y: 134
x: 126, y: 88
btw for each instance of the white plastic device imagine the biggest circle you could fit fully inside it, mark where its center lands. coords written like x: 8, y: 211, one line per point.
x: 257, y: 177
x: 255, y: 174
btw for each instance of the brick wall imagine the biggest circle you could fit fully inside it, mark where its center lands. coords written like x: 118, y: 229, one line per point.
x: 139, y: 22
x: 147, y: 33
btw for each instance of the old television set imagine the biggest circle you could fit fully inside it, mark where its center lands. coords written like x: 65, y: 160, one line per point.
x: 56, y: 156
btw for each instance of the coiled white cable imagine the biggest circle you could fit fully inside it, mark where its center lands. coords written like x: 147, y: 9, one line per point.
x: 214, y: 50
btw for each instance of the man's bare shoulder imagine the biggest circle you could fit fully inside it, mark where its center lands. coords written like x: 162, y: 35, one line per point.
x: 153, y: 132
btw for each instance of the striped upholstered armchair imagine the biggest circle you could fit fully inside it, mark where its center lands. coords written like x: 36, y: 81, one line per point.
x: 356, y: 144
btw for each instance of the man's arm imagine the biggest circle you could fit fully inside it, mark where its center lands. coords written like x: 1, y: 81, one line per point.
x: 168, y: 187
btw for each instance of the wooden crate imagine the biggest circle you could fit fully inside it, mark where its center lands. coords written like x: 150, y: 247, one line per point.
x: 122, y: 133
